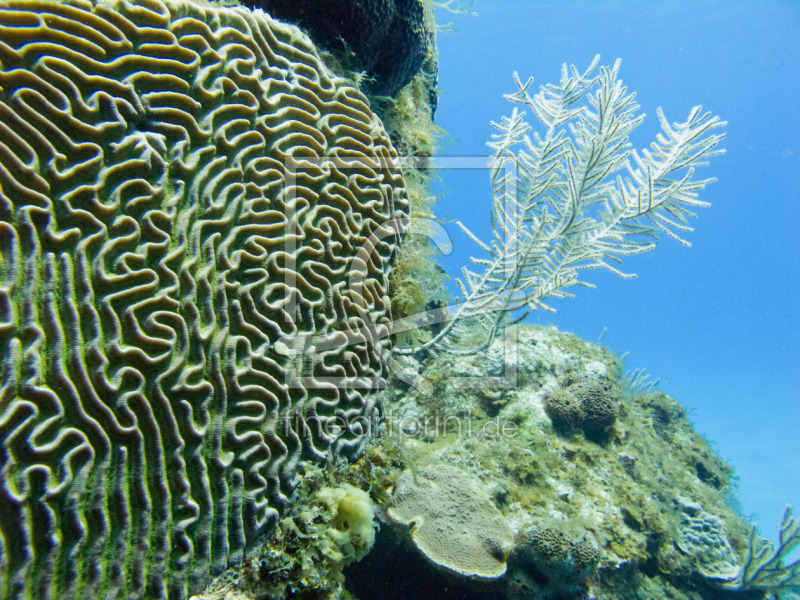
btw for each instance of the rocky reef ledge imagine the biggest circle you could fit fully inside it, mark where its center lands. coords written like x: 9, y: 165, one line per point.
x: 603, y: 485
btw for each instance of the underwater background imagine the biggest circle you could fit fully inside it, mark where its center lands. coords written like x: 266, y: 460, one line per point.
x: 216, y: 382
x: 718, y: 323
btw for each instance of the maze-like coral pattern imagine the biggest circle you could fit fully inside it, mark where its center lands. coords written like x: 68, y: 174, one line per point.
x: 183, y: 317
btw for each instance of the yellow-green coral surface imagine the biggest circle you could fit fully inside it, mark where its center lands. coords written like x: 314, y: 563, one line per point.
x: 177, y: 311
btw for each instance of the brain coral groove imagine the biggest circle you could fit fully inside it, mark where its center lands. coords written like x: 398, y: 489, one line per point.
x: 160, y: 268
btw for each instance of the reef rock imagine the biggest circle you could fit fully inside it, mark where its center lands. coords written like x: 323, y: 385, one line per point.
x: 389, y: 37
x: 645, y: 510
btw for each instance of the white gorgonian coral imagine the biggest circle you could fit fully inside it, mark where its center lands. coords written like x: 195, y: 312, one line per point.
x: 574, y: 198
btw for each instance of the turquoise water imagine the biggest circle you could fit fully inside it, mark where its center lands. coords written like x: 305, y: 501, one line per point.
x: 719, y: 322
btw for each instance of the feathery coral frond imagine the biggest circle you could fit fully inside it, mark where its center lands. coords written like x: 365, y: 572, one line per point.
x: 575, y: 197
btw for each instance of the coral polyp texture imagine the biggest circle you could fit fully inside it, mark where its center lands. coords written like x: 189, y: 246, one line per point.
x: 185, y: 314
x: 455, y: 524
x: 589, y: 403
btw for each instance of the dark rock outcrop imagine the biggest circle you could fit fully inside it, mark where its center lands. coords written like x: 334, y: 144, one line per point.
x: 388, y: 36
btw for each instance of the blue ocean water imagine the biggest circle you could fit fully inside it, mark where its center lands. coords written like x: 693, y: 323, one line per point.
x: 719, y: 322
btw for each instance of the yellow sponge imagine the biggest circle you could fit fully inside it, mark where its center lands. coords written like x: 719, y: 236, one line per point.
x: 351, y: 531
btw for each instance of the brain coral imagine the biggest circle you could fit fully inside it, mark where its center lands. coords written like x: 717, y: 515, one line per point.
x: 599, y: 404
x: 553, y: 561
x: 564, y: 409
x: 589, y: 403
x: 182, y: 308
x: 455, y: 524
x: 554, y: 549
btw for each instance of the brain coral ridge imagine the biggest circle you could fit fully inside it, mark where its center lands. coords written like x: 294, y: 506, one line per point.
x: 178, y: 317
